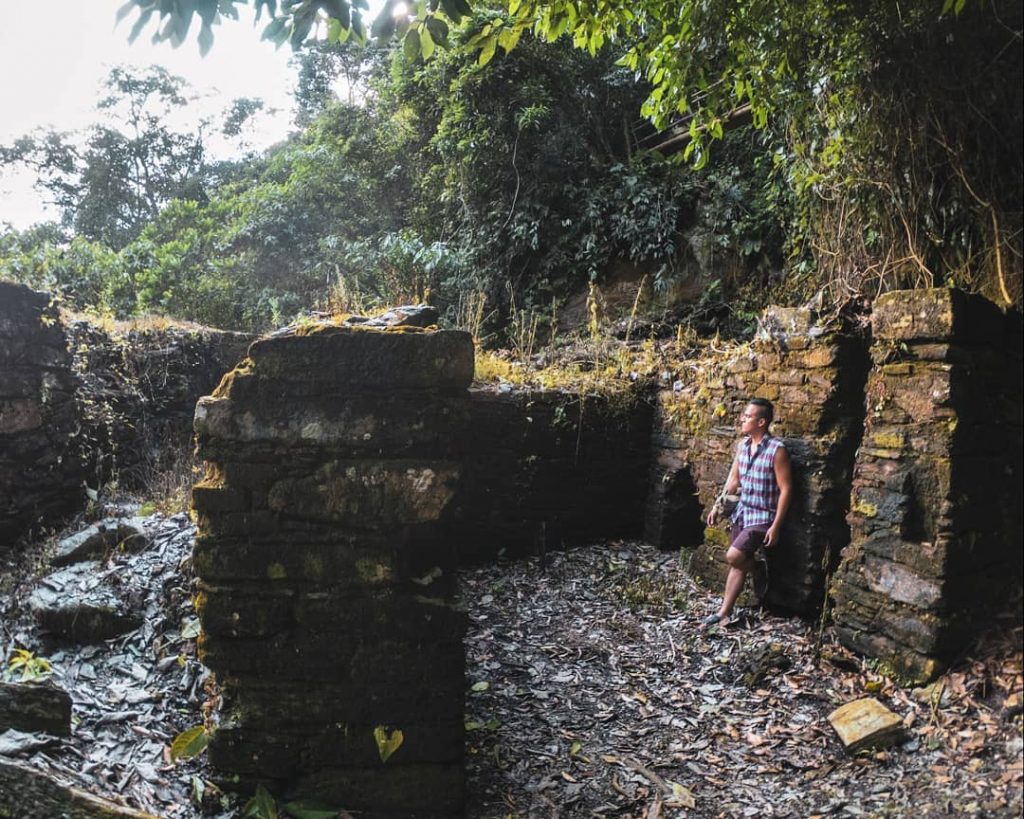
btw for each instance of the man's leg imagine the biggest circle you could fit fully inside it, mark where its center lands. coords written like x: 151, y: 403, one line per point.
x: 740, y: 564
x: 740, y: 558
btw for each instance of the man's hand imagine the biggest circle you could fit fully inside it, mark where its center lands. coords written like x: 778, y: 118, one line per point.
x: 770, y: 536
x: 713, y: 515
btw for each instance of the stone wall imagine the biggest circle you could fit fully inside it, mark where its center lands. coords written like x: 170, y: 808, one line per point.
x: 139, y: 388
x: 118, y: 406
x: 936, y: 509
x: 549, y: 469
x: 326, y: 581
x: 41, y: 469
x: 815, y: 378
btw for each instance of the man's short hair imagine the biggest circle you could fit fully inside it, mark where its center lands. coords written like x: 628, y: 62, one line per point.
x: 764, y: 407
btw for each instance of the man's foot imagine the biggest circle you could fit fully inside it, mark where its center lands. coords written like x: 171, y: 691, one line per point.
x: 715, y: 620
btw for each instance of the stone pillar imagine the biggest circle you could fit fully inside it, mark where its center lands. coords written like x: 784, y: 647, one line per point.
x: 41, y: 470
x: 814, y: 376
x: 327, y: 593
x: 936, y: 500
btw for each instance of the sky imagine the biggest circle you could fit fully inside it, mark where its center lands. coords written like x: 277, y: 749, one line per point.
x: 54, y: 56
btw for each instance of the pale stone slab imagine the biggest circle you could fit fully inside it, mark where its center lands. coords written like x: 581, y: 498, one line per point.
x: 866, y: 723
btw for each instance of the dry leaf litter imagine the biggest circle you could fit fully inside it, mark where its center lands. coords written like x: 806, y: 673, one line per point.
x: 591, y: 692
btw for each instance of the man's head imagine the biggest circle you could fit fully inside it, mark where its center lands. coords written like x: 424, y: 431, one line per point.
x: 757, y: 417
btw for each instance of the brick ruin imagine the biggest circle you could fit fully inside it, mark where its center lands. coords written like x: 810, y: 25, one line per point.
x: 352, y: 471
x: 138, y: 393
x: 549, y: 469
x: 327, y: 581
x: 41, y: 464
x: 815, y: 377
x: 936, y: 498
x: 81, y: 405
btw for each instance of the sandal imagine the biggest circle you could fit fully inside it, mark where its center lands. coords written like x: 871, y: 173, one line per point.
x: 713, y: 620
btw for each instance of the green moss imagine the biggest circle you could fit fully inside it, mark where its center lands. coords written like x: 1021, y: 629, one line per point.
x: 861, y: 507
x: 275, y: 571
x: 887, y: 440
x: 370, y: 571
x: 719, y: 537
x: 313, y: 567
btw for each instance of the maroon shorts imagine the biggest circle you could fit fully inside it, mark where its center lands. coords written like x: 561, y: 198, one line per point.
x: 748, y: 539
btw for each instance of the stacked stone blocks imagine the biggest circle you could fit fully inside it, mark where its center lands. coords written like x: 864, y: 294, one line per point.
x: 41, y: 468
x: 936, y: 497
x: 548, y: 469
x: 327, y: 588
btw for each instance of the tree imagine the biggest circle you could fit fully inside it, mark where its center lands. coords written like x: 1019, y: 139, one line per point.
x: 111, y: 181
x: 902, y: 121
x: 323, y: 66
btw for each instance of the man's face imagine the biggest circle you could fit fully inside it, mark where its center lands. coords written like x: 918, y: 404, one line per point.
x: 751, y: 420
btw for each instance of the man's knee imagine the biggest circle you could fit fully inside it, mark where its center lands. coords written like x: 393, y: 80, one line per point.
x: 736, y: 558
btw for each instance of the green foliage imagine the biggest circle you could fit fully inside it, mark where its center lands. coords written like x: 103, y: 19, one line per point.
x: 897, y: 127
x: 27, y: 666
x: 86, y: 274
x: 189, y: 744
x: 111, y: 180
x: 388, y: 741
x: 513, y: 182
x: 298, y: 21
x: 900, y: 125
x: 261, y: 805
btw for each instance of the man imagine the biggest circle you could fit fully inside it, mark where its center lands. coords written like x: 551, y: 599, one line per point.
x: 762, y: 475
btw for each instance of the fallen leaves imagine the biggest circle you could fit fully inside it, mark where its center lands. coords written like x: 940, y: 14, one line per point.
x: 665, y: 715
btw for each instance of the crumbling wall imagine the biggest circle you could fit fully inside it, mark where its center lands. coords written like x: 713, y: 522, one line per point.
x: 41, y: 470
x: 547, y: 469
x: 815, y: 378
x: 327, y: 582
x: 139, y: 387
x: 118, y: 405
x: 936, y: 508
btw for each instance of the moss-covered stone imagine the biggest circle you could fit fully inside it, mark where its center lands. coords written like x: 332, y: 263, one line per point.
x: 344, y: 359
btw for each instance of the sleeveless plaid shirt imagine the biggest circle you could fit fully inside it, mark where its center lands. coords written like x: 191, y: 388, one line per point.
x: 759, y: 491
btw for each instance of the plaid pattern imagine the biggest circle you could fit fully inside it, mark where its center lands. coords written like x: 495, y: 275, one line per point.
x: 759, y: 492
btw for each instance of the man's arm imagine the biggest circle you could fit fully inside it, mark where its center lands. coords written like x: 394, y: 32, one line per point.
x: 732, y: 486
x: 784, y: 478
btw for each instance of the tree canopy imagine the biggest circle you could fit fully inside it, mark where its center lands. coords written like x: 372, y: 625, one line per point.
x: 901, y: 122
x: 885, y: 152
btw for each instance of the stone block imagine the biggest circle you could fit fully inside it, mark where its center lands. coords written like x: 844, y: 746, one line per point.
x: 399, y: 424
x: 19, y: 415
x: 866, y: 724
x: 101, y: 538
x: 339, y: 744
x: 260, y: 611
x: 352, y: 360
x: 209, y: 496
x: 418, y: 791
x: 939, y: 314
x: 287, y: 705
x: 28, y: 793
x: 902, y: 584
x: 83, y: 603
x: 785, y: 322
x: 369, y: 494
x: 320, y: 653
x: 35, y: 706
x: 329, y: 557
